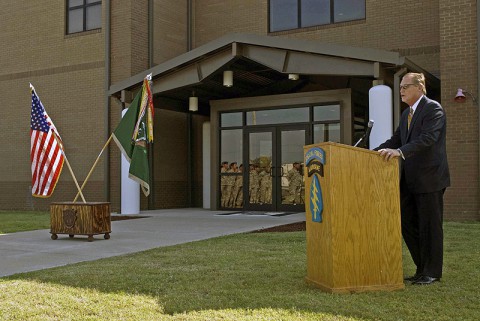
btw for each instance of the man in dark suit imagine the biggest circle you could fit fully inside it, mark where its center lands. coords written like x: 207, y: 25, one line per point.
x: 420, y: 141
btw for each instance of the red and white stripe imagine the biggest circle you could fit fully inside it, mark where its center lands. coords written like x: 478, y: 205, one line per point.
x: 47, y: 161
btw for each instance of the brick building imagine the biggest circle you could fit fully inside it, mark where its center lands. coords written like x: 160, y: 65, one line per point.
x: 86, y: 60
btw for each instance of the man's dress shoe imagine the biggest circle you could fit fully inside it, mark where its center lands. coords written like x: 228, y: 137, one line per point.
x: 424, y: 280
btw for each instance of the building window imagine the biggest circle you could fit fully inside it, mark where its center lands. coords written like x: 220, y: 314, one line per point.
x: 326, y: 127
x: 231, y: 167
x: 278, y: 116
x: 83, y: 15
x: 293, y: 14
x: 231, y: 119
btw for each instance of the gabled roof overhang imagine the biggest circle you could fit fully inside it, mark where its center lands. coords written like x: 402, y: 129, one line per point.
x: 260, y: 65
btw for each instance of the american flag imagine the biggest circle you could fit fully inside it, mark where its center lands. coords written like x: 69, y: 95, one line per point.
x: 46, y: 153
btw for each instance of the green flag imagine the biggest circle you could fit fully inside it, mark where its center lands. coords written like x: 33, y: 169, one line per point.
x: 122, y: 135
x: 134, y: 132
x: 139, y: 170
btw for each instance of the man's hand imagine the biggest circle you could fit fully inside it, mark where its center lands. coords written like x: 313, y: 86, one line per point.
x: 388, y: 153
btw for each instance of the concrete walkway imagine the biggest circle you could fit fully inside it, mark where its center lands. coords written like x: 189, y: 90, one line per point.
x: 35, y: 250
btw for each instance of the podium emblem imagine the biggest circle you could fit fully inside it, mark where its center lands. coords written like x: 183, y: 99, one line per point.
x: 316, y: 200
x: 315, y: 160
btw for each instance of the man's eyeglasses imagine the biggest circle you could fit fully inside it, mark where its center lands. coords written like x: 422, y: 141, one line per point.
x: 405, y: 87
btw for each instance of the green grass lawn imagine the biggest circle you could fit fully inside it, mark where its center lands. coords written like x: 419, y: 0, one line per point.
x: 255, y: 276
x: 18, y: 221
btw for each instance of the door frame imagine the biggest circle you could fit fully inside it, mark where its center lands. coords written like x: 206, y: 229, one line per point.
x: 246, y: 174
x: 276, y: 168
x: 308, y: 140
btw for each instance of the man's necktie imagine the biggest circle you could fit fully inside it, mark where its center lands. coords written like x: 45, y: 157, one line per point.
x: 410, y: 115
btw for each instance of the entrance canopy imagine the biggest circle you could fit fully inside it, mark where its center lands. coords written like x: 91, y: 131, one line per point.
x: 261, y: 65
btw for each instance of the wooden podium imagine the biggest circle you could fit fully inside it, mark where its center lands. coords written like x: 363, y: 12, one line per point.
x: 357, y: 245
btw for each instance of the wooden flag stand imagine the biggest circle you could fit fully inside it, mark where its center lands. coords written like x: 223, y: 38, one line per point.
x: 87, y: 218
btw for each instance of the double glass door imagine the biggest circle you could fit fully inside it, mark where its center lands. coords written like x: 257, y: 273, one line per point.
x: 274, y: 172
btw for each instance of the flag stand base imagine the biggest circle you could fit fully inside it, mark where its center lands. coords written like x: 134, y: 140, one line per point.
x: 91, y: 218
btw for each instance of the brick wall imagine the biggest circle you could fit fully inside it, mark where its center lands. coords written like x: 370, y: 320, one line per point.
x: 458, y: 60
x: 129, y: 38
x: 129, y: 56
x: 67, y: 72
x: 411, y: 27
x: 215, y: 18
x: 170, y: 159
x: 169, y: 29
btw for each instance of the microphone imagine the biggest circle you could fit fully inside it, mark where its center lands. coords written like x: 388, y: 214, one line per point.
x: 366, y: 136
x: 369, y: 130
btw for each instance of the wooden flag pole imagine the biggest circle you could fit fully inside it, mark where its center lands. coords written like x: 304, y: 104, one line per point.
x: 74, y: 178
x: 93, y: 167
x: 68, y: 165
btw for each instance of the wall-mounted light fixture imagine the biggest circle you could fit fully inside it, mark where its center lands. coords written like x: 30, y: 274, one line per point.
x: 461, y: 98
x: 193, y: 102
x: 293, y: 76
x: 228, y: 78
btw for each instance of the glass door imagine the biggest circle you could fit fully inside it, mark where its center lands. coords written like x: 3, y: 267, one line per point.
x: 291, y: 185
x: 274, y: 175
x: 259, y: 170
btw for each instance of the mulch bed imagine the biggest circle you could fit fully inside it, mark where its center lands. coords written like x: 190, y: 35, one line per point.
x: 293, y: 227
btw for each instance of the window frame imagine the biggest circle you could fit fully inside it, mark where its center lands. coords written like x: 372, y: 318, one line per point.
x: 299, y: 17
x: 84, y: 7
